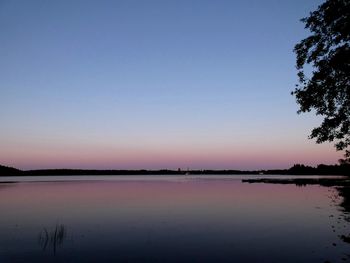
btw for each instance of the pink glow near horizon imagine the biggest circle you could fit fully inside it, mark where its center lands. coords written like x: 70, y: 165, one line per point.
x: 208, y: 157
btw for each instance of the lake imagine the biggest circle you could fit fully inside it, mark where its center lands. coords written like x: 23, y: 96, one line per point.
x: 169, y: 219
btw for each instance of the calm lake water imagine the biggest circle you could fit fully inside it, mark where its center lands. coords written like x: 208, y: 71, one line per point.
x: 169, y: 219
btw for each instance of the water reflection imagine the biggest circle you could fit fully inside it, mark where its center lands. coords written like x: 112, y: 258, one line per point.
x: 344, y: 192
x: 53, y: 238
x: 203, y: 220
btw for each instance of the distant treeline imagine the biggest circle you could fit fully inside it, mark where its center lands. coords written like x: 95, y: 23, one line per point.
x: 321, y: 169
x: 297, y: 169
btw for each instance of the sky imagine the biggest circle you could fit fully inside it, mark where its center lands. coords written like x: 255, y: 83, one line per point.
x: 153, y: 84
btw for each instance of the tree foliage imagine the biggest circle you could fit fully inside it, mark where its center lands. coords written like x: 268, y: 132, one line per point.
x: 323, y: 64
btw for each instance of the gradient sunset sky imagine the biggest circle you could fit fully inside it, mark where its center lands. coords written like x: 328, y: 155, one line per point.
x: 153, y: 84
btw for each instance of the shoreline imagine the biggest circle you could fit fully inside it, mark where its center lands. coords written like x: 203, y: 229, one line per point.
x: 297, y: 169
x: 303, y: 181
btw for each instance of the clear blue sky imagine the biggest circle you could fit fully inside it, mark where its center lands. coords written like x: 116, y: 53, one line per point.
x: 153, y: 84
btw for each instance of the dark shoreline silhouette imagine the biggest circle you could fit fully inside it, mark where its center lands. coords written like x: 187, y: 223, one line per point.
x: 298, y: 169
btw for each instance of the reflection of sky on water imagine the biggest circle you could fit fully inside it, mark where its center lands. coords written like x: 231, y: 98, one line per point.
x: 162, y: 220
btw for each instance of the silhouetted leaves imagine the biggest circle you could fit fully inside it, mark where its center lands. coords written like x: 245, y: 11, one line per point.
x: 327, y: 88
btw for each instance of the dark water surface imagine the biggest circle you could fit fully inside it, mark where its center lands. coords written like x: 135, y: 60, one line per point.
x: 169, y: 219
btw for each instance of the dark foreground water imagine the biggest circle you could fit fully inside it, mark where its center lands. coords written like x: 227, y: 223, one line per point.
x: 169, y: 219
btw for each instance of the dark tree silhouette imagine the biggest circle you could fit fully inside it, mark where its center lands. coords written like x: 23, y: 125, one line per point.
x: 323, y: 64
x: 5, y: 170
